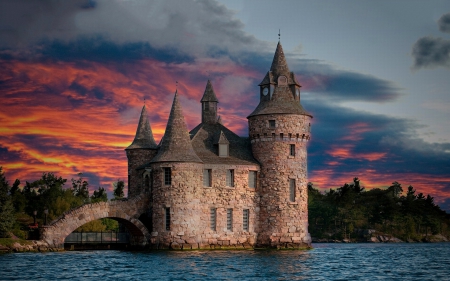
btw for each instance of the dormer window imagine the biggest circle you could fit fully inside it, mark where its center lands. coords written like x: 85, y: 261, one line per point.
x: 224, y: 145
x: 223, y: 150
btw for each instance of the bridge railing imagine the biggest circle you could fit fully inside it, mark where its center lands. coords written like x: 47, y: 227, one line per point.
x: 97, y: 237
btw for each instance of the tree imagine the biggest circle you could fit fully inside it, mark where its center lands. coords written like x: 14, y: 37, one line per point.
x: 118, y: 189
x: 80, y: 188
x: 99, y: 195
x: 6, y: 207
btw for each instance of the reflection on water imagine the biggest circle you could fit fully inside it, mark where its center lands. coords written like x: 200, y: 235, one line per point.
x: 325, y: 262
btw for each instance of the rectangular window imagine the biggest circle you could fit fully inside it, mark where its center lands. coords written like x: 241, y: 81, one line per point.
x: 167, y: 220
x: 206, y: 106
x: 292, y: 190
x: 223, y: 150
x: 207, y: 178
x: 230, y: 178
x: 292, y: 150
x: 230, y: 219
x: 245, y: 220
x: 213, y: 213
x: 252, y: 179
x: 167, y: 176
x: 272, y: 124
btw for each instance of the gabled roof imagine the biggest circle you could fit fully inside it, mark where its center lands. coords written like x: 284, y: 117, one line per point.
x: 144, y: 136
x: 176, y: 144
x: 222, y: 139
x: 205, y: 138
x: 209, y: 94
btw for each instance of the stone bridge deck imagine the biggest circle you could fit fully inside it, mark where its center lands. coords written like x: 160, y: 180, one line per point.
x: 126, y: 211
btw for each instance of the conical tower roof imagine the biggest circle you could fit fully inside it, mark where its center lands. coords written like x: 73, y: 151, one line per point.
x: 144, y: 136
x: 282, y: 100
x: 209, y: 94
x: 176, y: 144
x: 279, y: 65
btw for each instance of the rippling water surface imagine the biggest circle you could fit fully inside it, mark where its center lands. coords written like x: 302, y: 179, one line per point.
x: 324, y: 262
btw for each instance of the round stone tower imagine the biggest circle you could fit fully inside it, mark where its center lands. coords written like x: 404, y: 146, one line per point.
x: 279, y: 129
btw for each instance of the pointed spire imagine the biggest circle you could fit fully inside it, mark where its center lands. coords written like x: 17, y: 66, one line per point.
x: 209, y: 94
x: 176, y: 144
x: 144, y: 136
x: 279, y: 64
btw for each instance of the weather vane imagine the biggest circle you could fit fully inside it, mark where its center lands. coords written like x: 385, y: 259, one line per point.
x: 279, y: 35
x: 176, y: 85
x: 144, y: 100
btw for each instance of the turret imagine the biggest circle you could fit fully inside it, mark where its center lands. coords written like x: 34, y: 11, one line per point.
x: 141, y: 151
x: 209, y: 105
x: 279, y: 129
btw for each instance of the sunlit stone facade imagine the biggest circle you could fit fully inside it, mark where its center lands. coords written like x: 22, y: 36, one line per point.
x: 209, y: 188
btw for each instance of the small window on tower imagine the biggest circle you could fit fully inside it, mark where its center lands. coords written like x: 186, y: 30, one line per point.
x: 292, y: 149
x: 292, y: 190
x: 206, y: 106
x: 167, y: 176
x: 272, y: 124
x: 252, y: 176
x: 167, y: 218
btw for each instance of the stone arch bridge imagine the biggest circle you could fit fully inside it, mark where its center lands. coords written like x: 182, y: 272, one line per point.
x: 125, y: 211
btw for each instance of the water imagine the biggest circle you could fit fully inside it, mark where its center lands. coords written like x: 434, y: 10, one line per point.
x: 325, y: 262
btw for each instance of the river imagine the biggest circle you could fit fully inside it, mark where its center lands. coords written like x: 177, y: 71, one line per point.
x: 430, y: 261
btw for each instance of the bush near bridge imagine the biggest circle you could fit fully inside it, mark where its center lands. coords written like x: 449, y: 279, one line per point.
x: 17, y: 204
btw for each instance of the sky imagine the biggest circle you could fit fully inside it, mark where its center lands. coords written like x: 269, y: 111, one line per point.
x: 375, y: 75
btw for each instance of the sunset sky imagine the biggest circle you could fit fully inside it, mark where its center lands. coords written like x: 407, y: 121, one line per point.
x: 374, y: 74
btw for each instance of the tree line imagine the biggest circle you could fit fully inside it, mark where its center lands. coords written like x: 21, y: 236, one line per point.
x: 46, y: 199
x: 344, y: 213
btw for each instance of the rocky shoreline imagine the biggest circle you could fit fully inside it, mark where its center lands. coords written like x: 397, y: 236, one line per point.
x: 27, y: 246
x: 383, y: 238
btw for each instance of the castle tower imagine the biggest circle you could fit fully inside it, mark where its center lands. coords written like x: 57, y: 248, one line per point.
x: 209, y: 105
x: 176, y: 169
x: 279, y: 129
x: 141, y: 151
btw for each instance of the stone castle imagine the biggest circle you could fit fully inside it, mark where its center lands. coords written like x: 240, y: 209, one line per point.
x: 210, y: 188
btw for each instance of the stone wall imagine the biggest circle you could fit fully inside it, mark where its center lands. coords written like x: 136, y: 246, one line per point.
x: 283, y: 223
x: 136, y: 158
x: 190, y: 203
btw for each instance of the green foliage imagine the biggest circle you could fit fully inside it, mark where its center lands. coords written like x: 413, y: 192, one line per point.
x: 119, y: 187
x: 110, y: 224
x: 80, y: 188
x: 99, y: 195
x: 7, y: 218
x: 339, y: 213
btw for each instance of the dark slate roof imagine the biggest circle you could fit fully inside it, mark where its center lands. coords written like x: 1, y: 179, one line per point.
x: 283, y: 101
x: 205, y: 138
x: 209, y: 94
x: 144, y: 136
x: 176, y: 144
x: 279, y: 65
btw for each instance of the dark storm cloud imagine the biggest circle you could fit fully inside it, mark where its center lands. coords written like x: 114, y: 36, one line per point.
x: 378, y: 142
x: 444, y: 23
x: 429, y: 52
x: 189, y: 27
x: 99, y: 49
